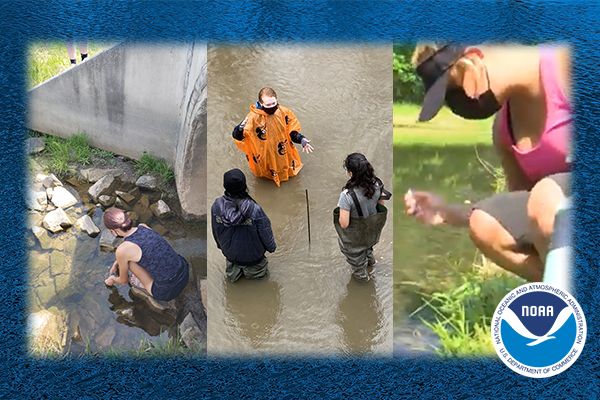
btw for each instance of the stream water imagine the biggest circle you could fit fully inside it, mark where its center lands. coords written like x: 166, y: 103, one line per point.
x: 308, y: 304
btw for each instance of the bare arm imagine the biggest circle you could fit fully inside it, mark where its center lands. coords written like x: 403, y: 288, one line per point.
x: 514, y: 175
x: 344, y: 218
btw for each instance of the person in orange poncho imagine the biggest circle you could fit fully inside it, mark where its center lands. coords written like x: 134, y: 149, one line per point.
x: 266, y: 136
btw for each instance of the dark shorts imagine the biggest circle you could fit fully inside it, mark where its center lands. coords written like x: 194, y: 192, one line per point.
x: 168, y: 291
x: 510, y: 210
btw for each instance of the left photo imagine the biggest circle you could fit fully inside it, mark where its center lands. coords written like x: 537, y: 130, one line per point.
x: 116, y: 206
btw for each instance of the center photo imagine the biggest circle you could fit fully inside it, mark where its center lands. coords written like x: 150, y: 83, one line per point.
x: 299, y: 251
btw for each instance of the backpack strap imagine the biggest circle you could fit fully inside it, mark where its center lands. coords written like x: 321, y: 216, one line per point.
x: 356, y: 203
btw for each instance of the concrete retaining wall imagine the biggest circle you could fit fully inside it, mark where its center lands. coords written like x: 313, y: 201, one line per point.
x: 135, y: 98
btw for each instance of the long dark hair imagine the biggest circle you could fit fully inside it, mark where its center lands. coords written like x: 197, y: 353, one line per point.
x: 237, y: 198
x: 363, y: 174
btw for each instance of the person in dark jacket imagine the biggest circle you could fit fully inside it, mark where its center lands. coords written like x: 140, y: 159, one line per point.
x: 241, y: 229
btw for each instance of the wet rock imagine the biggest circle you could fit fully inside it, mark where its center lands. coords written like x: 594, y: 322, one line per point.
x: 125, y: 196
x: 108, y: 241
x: 156, y: 305
x: 62, y: 198
x: 127, y: 313
x: 161, y: 209
x: 70, y: 243
x: 73, y: 181
x: 142, y: 209
x: 203, y: 293
x: 147, y: 182
x: 42, y: 236
x: 106, y: 201
x: 85, y: 251
x: 161, y: 230
x: 135, y: 192
x: 61, y: 282
x: 40, y: 178
x: 38, y: 263
x: 66, y: 292
x: 51, y: 181
x: 102, y: 186
x: 45, y: 293
x: 35, y: 145
x: 77, y: 335
x: 46, y: 330
x: 93, y: 175
x: 86, y: 224
x: 37, y: 201
x: 121, y: 204
x: 105, y: 337
x: 133, y: 216
x: 191, y: 334
x: 58, y: 263
x: 33, y: 219
x: 56, y: 221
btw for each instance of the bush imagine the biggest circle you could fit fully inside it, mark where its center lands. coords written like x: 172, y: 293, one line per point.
x: 408, y: 87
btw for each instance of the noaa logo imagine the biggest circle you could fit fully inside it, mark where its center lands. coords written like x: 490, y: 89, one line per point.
x: 538, y: 330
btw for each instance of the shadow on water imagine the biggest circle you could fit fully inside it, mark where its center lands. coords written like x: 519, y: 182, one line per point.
x: 342, y: 98
x: 429, y: 259
x: 67, y: 273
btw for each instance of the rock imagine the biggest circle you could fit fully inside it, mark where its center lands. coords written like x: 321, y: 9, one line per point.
x: 35, y: 145
x: 127, y: 313
x: 121, y: 204
x: 142, y: 209
x: 203, y: 293
x: 147, y: 182
x: 45, y: 293
x: 133, y: 216
x: 46, y: 330
x: 93, y: 175
x: 40, y: 178
x: 57, y: 263
x: 37, y: 200
x: 56, y: 221
x: 38, y: 263
x: 156, y: 305
x: 135, y: 192
x: 161, y: 230
x: 33, y: 219
x: 51, y: 181
x: 191, y: 334
x: 61, y: 282
x: 77, y: 335
x: 161, y: 209
x: 105, y: 337
x: 106, y: 201
x: 70, y: 243
x: 62, y: 198
x: 85, y: 251
x: 86, y: 224
x: 102, y: 186
x: 42, y: 236
x: 108, y: 241
x: 125, y: 196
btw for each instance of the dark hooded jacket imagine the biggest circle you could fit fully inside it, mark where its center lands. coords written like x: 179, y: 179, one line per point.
x: 242, y: 231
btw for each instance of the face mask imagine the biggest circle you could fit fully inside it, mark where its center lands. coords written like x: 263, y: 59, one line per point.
x: 271, y: 110
x: 117, y: 235
x: 348, y: 175
x: 481, y: 108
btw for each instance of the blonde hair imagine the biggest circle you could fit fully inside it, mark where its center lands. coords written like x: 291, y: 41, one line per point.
x: 423, y: 51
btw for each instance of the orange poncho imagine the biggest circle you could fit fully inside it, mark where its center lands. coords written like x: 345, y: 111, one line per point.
x: 268, y: 145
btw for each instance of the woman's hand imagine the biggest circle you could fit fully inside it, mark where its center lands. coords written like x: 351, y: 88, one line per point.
x: 425, y: 206
x: 110, y: 280
x: 306, y: 147
x: 114, y: 268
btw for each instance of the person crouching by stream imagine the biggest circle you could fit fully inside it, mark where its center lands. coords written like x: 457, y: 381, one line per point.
x: 154, y: 265
x: 361, y: 215
x: 241, y: 229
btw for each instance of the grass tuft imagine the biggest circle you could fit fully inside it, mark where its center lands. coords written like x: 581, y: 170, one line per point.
x: 148, y: 164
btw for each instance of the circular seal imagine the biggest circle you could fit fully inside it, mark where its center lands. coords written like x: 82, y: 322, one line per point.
x: 538, y: 330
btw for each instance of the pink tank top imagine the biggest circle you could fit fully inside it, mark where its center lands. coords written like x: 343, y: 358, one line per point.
x: 551, y: 154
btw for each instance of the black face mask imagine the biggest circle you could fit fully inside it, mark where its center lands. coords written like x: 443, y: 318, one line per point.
x: 271, y: 110
x: 464, y: 106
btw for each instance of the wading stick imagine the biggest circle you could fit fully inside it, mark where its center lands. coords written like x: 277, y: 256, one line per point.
x: 308, y: 215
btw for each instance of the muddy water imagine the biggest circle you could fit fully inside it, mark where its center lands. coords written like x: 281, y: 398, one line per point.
x: 308, y: 304
x: 67, y: 279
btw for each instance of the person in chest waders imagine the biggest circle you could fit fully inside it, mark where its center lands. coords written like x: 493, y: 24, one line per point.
x: 155, y: 266
x: 267, y: 135
x: 360, y: 215
x: 241, y: 229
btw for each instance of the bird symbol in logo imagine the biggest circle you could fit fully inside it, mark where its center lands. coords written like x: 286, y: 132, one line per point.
x: 513, y: 320
x: 281, y: 147
x: 261, y: 131
x: 256, y: 158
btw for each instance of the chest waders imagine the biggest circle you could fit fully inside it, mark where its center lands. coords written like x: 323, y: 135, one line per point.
x: 559, y: 263
x: 357, y: 240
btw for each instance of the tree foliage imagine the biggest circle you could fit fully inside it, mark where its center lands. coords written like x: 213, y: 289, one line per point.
x: 408, y: 87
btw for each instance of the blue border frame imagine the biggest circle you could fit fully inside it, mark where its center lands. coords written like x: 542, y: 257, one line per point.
x: 574, y: 22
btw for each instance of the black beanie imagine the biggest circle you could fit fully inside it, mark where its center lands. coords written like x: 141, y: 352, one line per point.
x: 234, y: 181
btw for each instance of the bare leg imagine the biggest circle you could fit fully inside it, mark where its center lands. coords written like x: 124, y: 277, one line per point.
x: 142, y: 275
x: 83, y: 47
x: 543, y: 203
x: 492, y: 239
x: 71, y: 50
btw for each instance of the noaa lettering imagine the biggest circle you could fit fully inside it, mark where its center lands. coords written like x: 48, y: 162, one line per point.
x: 537, y: 311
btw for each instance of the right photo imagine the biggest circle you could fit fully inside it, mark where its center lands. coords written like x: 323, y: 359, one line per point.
x: 482, y: 170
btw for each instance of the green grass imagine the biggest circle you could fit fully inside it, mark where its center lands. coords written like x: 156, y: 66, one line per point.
x: 48, y: 59
x: 64, y: 154
x: 148, y: 164
x: 444, y: 129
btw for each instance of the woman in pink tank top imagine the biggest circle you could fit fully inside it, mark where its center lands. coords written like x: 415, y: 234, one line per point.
x: 526, y: 89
